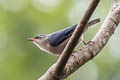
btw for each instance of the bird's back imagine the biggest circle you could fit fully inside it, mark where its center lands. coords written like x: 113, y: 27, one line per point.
x: 58, y: 37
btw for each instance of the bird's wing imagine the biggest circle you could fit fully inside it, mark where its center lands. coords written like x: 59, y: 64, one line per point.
x: 58, y: 37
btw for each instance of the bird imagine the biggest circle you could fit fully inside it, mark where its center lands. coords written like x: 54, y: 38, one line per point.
x: 55, y: 42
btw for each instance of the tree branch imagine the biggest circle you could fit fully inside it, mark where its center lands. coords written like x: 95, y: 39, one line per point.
x: 87, y: 52
x: 90, y: 50
x: 64, y: 57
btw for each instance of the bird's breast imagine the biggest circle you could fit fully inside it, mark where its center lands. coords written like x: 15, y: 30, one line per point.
x: 57, y: 50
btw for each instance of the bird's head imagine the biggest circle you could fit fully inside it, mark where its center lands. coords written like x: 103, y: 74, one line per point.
x: 39, y: 39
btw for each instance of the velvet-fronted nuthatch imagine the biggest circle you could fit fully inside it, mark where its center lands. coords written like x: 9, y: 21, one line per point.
x: 55, y: 43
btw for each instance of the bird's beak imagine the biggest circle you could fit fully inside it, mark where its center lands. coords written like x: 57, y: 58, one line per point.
x: 31, y: 39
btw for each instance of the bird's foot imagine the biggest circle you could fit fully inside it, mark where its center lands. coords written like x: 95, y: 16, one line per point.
x: 84, y: 42
x: 87, y: 42
x: 90, y: 42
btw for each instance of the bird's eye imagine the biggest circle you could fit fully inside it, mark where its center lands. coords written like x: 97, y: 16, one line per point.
x: 37, y: 37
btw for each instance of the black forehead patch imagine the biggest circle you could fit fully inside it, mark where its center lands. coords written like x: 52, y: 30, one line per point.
x: 39, y: 36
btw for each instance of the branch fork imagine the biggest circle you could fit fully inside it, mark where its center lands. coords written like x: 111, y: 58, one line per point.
x: 89, y: 51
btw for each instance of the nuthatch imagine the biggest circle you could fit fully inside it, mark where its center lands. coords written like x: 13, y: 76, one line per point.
x: 55, y: 43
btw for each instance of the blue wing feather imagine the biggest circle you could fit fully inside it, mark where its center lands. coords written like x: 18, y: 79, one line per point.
x: 58, y: 37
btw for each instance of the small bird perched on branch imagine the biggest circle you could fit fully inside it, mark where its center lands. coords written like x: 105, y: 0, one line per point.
x: 55, y: 43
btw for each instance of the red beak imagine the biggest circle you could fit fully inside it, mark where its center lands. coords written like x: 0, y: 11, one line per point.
x: 31, y: 39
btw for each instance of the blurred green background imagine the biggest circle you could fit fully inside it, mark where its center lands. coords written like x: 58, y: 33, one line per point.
x: 21, y: 19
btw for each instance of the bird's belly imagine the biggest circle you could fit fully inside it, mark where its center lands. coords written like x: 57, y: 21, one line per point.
x: 57, y: 50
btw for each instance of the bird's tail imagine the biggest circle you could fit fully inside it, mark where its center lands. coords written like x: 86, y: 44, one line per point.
x: 92, y: 22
